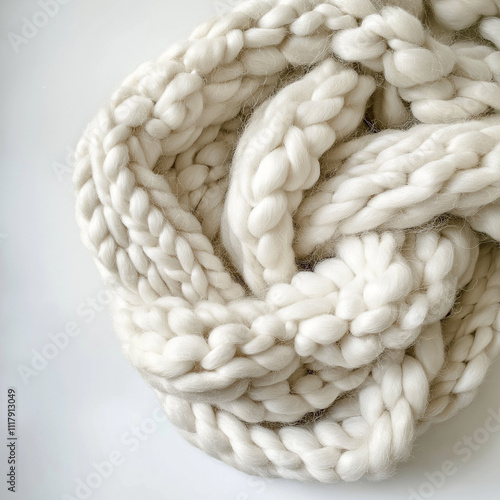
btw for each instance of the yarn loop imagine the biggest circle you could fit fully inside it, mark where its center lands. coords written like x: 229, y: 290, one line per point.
x: 297, y: 214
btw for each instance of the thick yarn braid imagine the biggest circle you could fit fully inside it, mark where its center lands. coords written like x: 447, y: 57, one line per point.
x: 306, y: 295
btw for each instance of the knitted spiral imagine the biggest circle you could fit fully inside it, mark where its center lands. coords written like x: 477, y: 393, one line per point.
x: 297, y: 212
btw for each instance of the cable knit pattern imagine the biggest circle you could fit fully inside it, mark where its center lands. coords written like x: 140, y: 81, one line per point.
x: 297, y: 212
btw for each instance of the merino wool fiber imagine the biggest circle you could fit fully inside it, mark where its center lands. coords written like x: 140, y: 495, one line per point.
x: 296, y: 212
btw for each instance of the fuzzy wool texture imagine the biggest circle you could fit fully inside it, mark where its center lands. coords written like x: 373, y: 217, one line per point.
x: 297, y: 213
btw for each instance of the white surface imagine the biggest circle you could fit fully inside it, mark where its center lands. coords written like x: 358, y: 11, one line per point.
x: 83, y: 405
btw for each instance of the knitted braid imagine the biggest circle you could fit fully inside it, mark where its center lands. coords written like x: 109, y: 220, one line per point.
x: 305, y: 295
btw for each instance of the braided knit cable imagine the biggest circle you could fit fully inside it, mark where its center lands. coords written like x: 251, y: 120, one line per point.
x: 303, y: 294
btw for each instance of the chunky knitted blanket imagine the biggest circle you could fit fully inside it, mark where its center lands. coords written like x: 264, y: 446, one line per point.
x: 297, y: 212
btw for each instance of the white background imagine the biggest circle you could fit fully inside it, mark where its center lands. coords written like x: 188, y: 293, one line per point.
x: 83, y: 404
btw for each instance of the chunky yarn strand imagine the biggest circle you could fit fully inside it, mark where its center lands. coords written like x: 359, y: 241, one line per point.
x: 297, y: 213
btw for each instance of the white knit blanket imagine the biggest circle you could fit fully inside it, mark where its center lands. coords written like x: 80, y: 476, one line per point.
x: 297, y: 212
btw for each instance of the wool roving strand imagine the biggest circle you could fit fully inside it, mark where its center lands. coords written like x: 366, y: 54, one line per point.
x: 297, y: 213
